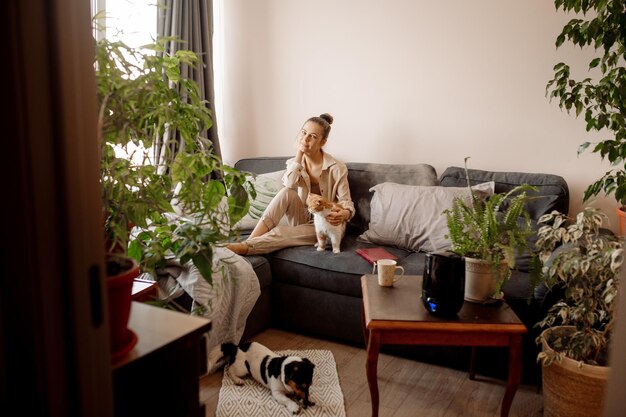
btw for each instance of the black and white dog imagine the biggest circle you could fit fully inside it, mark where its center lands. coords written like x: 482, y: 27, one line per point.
x: 285, y: 376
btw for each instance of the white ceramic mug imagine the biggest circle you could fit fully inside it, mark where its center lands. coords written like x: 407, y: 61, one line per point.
x: 387, y: 272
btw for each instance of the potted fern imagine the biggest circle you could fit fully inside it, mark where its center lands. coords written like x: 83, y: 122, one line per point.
x: 581, y: 262
x: 489, y: 231
x: 147, y: 105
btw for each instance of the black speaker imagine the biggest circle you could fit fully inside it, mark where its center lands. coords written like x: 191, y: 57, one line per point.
x: 443, y: 283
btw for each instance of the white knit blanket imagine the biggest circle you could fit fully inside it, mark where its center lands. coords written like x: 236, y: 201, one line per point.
x: 227, y: 303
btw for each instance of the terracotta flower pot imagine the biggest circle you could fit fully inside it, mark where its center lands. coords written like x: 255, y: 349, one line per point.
x: 621, y: 216
x: 570, y: 389
x: 121, y: 273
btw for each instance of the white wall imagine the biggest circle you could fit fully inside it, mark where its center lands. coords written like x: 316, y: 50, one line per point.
x: 407, y: 81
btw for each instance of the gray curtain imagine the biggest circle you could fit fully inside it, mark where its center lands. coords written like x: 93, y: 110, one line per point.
x: 191, y: 21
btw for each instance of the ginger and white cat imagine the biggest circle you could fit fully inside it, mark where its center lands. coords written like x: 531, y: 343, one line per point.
x: 320, y: 207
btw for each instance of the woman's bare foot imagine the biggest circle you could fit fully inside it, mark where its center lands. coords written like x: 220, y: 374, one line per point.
x: 240, y: 248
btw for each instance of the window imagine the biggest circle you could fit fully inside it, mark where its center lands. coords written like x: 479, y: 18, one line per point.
x: 132, y: 22
x: 135, y: 24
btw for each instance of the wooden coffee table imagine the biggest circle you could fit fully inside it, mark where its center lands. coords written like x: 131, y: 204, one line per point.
x: 396, y: 315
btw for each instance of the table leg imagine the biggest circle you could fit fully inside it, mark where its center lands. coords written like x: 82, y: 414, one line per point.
x: 515, y: 373
x: 373, y: 348
x: 472, y: 367
x: 364, y: 325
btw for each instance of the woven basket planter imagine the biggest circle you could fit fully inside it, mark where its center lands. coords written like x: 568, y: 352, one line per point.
x: 570, y: 390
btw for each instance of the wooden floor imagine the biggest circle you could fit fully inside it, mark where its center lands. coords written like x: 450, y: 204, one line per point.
x: 407, y: 387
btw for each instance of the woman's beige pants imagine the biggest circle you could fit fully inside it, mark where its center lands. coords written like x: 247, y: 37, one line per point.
x: 299, y: 232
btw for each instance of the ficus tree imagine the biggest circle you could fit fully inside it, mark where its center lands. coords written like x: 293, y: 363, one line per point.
x: 145, y: 102
x: 584, y: 262
x: 601, y: 97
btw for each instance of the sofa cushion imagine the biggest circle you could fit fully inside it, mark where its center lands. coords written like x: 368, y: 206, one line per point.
x: 552, y: 194
x: 523, y: 262
x: 517, y: 287
x: 363, y: 176
x: 338, y: 273
x: 412, y: 216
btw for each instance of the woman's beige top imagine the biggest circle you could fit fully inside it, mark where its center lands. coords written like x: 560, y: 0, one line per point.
x: 333, y: 181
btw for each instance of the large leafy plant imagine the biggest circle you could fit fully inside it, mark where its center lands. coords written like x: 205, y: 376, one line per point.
x: 601, y: 97
x: 146, y: 103
x: 583, y: 262
x: 493, y: 229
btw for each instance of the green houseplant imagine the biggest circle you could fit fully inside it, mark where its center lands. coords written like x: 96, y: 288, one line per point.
x: 488, y: 232
x: 143, y: 99
x: 601, y: 96
x: 581, y: 262
x: 145, y: 104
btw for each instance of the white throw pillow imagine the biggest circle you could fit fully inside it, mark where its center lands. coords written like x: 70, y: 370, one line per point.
x: 266, y: 186
x: 411, y: 216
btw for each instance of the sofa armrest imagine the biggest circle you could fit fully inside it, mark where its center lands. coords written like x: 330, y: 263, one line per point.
x: 262, y: 165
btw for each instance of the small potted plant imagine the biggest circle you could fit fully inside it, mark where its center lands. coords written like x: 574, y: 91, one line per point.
x: 489, y: 231
x: 146, y: 105
x: 580, y: 261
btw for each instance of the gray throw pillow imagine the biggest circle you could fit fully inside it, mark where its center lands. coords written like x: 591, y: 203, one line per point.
x: 412, y: 216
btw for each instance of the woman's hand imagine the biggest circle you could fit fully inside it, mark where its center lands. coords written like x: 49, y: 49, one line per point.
x: 337, y: 217
x: 299, y: 155
x: 299, y: 150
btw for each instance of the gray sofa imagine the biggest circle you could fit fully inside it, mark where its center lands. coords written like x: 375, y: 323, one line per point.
x: 319, y: 293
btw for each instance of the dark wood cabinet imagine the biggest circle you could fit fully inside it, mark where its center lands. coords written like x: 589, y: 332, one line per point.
x: 160, y: 376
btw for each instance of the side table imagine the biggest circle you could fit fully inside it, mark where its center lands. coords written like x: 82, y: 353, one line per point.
x: 160, y: 376
x: 396, y: 315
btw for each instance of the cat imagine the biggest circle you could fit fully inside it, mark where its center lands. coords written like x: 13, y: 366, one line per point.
x: 320, y: 207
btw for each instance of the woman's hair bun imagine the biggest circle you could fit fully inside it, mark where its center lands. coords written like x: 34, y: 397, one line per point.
x: 327, y: 117
x: 324, y: 120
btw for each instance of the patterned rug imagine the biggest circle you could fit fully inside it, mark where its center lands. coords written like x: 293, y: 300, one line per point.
x: 253, y: 399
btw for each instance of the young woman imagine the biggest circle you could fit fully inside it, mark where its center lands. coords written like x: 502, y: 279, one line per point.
x: 311, y: 171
